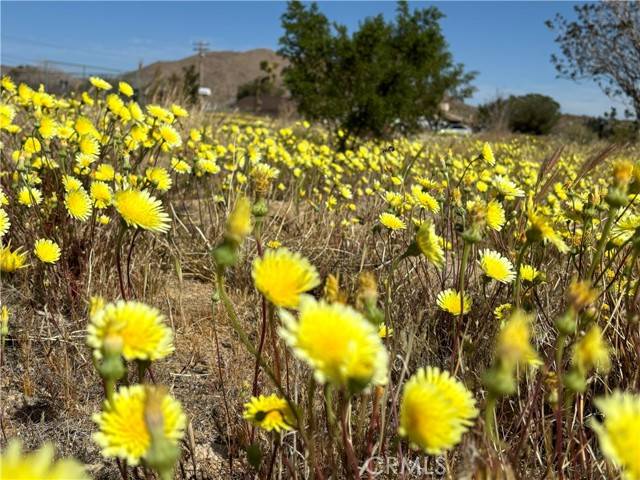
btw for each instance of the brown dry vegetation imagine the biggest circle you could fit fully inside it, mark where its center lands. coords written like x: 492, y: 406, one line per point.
x: 50, y: 387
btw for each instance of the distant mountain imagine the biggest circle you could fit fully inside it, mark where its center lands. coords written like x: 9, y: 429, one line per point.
x: 223, y: 72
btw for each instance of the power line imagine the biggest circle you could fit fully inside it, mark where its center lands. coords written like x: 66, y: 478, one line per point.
x: 65, y: 48
x: 201, y: 47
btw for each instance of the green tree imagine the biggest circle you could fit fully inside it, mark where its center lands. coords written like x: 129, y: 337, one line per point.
x: 190, y: 84
x: 533, y: 113
x: 262, y: 85
x: 383, y: 77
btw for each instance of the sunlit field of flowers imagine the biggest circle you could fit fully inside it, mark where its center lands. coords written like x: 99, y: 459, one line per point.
x: 196, y: 295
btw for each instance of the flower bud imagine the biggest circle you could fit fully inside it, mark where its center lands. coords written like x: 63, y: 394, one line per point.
x: 499, y: 382
x: 260, y: 209
x: 575, y: 381
x: 616, y: 197
x: 566, y: 323
x: 112, y: 365
x: 225, y: 254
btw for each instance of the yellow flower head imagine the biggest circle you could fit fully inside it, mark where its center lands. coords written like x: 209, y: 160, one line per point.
x: 125, y: 89
x: 47, y: 251
x: 435, y: 411
x: 507, y: 187
x: 338, y: 342
x: 449, y: 300
x: 5, y: 224
x: 48, y: 127
x: 332, y: 292
x: 78, y: 204
x: 541, y: 229
x: 425, y: 199
x: 159, y: 177
x: 367, y: 289
x: 160, y: 113
x: 104, y: 172
x: 10, y: 261
x: 495, y: 215
x: 124, y: 430
x: 269, y: 412
x: 591, y: 352
x: 8, y: 84
x: 32, y: 145
x: 140, y: 330
x: 38, y: 465
x: 86, y: 98
x: 262, y: 176
x: 503, y: 311
x: 89, y: 146
x: 139, y: 209
x: 391, y: 221
x: 282, y: 276
x: 623, y: 172
x: 513, y: 346
x: 116, y: 105
x: 619, y: 433
x: 136, y: 112
x: 99, y: 83
x: 384, y: 332
x: 487, y: 154
x: 581, y: 294
x: 180, y: 166
x: 528, y: 273
x: 239, y: 221
x: 70, y: 183
x: 496, y: 266
x: 29, y: 196
x: 178, y: 111
x: 100, y: 194
x: 430, y: 243
x: 170, y: 136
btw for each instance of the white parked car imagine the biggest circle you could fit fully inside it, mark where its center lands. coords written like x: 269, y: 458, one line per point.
x: 456, y: 129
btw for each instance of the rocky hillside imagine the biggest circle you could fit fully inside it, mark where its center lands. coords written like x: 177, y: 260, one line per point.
x: 223, y: 72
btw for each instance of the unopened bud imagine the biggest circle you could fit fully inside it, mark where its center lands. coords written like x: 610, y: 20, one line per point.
x: 616, y: 197
x: 499, y: 382
x: 566, y: 324
x: 225, y: 254
x: 575, y: 381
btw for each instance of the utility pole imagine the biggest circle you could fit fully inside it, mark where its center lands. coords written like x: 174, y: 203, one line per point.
x: 201, y: 47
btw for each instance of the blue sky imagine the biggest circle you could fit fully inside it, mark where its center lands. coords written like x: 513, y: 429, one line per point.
x: 506, y: 42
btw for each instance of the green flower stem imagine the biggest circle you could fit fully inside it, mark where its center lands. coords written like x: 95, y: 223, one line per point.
x: 458, y: 318
x: 518, y: 285
x: 560, y: 343
x: 121, y: 232
x: 235, y: 323
x: 603, y: 240
x: 331, y: 416
x: 466, y: 251
x: 109, y: 387
x: 489, y: 417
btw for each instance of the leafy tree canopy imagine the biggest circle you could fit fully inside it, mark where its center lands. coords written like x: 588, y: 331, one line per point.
x: 383, y: 77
